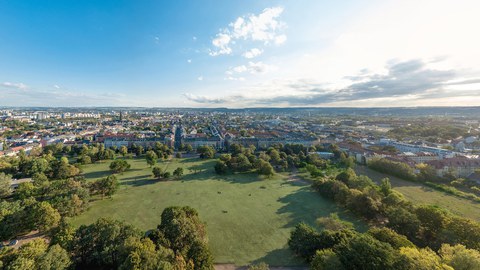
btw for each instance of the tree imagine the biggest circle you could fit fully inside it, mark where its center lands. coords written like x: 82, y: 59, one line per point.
x: 347, y: 162
x: 37, y: 165
x: 40, y: 181
x: 274, y: 155
x: 151, y: 158
x: 101, y: 244
x: 221, y: 167
x: 347, y: 176
x: 241, y: 163
x: 85, y: 159
x: 142, y: 254
x: 326, y: 259
x: 123, y: 150
x: 463, y: 231
x: 362, y: 204
x: 314, y: 171
x: 107, y: 186
x: 433, y: 220
x: 459, y: 257
x: 259, y: 266
x: 403, y: 221
x: 334, y: 223
x: 5, y: 184
x: 201, y: 256
x: 178, y: 172
x: 119, y: 165
x: 166, y: 175
x: 419, y: 259
x: 157, y: 172
x: 206, y: 152
x: 138, y: 149
x: 264, y: 168
x: 365, y: 252
x: 181, y: 228
x: 56, y: 258
x: 385, y: 187
x: 25, y: 190
x: 62, y: 235
x: 395, y: 168
x: 62, y: 170
x: 45, y: 217
x: 28, y: 255
x: 304, y: 241
x: 390, y: 236
x: 426, y: 172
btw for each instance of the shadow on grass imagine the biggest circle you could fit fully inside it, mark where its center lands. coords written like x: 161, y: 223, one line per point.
x: 139, y: 182
x: 305, y: 205
x: 378, y: 176
x: 97, y: 174
x: 281, y: 257
x: 105, y: 173
x: 138, y: 177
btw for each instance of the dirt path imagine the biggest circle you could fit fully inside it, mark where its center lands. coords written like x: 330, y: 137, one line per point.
x: 295, y: 178
x: 22, y: 240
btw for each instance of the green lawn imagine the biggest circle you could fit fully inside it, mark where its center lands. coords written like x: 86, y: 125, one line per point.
x: 421, y: 194
x: 248, y: 218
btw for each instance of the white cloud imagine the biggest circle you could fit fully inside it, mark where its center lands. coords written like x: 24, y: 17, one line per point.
x: 252, y: 53
x: 200, y: 78
x: 56, y: 86
x: 222, y: 43
x: 189, y: 61
x: 260, y: 67
x: 259, y: 28
x: 232, y: 78
x: 20, y: 86
x: 240, y: 69
x: 203, y: 99
x: 280, y: 39
x: 194, y: 38
x: 251, y: 68
x: 264, y: 27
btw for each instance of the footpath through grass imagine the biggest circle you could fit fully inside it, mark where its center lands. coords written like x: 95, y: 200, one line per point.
x: 421, y: 194
x: 249, y: 219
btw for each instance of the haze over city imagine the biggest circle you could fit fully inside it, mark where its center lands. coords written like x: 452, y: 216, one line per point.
x: 239, y: 54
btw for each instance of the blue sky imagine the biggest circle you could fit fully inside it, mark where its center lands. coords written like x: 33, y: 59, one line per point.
x: 239, y: 53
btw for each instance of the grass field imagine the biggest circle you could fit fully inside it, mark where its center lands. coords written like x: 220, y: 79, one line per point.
x: 419, y: 193
x: 248, y: 218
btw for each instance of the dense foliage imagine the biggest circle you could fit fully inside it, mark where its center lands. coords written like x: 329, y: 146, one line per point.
x: 180, y: 242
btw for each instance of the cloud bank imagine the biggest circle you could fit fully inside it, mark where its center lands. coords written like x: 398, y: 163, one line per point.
x: 407, y: 80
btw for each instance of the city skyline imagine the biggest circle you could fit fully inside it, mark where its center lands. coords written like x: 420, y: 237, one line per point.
x: 253, y: 54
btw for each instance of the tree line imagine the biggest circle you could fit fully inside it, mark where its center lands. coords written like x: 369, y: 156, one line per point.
x: 403, y: 236
x: 179, y: 242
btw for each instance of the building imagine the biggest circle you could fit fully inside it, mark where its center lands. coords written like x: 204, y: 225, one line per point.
x: 266, y: 142
x: 421, y: 157
x: 413, y: 148
x: 129, y: 142
x: 197, y: 141
x: 457, y: 166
